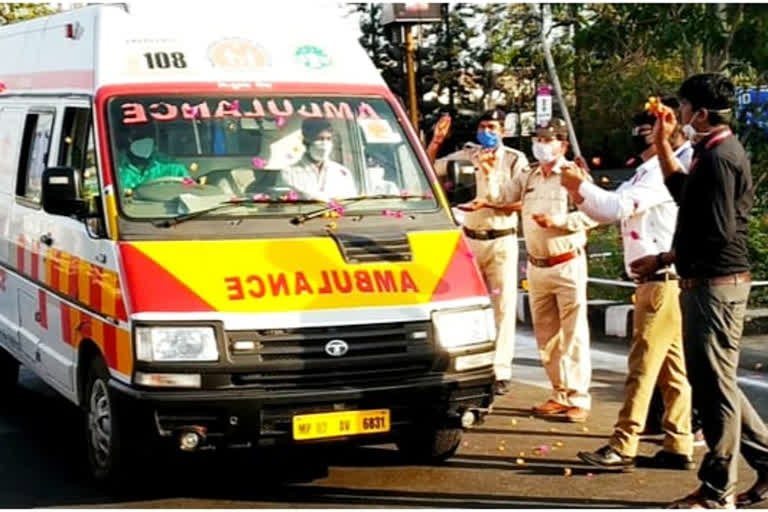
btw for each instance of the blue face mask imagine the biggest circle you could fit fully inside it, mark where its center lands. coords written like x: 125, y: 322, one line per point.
x: 488, y: 140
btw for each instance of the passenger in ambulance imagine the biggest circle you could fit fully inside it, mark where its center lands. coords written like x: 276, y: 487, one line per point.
x: 378, y: 184
x: 316, y: 176
x: 139, y: 161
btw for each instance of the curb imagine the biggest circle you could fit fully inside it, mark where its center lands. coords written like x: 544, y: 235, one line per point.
x: 611, y: 321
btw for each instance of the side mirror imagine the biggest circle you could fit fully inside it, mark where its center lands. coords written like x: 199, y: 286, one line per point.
x: 61, y: 192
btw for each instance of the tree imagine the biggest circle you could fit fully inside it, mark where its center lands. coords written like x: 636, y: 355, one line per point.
x: 14, y: 12
x: 387, y: 57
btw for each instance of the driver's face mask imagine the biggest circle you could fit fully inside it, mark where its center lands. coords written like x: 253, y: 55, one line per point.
x: 142, y: 148
x: 320, y: 150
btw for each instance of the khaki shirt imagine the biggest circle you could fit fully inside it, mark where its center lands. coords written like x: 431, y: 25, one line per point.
x: 544, y: 194
x: 509, y: 163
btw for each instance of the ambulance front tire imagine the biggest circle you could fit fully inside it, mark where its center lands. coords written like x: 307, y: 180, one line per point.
x: 430, y: 445
x: 108, y: 457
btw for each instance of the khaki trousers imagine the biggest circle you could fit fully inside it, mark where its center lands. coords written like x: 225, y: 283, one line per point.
x: 497, y: 260
x: 656, y: 356
x: 558, y: 297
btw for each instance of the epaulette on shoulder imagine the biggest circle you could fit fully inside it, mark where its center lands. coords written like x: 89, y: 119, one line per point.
x: 532, y: 167
x: 512, y: 150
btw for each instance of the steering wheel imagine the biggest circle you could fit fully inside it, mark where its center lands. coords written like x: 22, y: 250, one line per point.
x: 166, y: 188
x: 275, y: 191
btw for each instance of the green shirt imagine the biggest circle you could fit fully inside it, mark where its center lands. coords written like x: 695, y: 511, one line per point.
x: 131, y: 176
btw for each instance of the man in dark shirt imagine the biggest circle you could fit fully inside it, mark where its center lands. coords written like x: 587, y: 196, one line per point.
x: 710, y: 252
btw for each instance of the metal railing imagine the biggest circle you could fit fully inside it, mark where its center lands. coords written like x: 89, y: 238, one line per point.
x: 630, y: 284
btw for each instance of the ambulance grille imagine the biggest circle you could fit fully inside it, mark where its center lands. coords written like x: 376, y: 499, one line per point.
x: 372, y: 248
x: 283, y: 359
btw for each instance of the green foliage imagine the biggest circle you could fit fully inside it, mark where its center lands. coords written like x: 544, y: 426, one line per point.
x: 607, y: 262
x: 610, y: 58
x: 14, y: 12
x: 758, y: 255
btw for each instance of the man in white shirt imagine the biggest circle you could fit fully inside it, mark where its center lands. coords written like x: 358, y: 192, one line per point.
x: 317, y: 176
x: 647, y: 214
x: 491, y: 230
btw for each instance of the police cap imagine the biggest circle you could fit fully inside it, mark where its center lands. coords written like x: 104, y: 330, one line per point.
x: 495, y: 114
x: 555, y: 128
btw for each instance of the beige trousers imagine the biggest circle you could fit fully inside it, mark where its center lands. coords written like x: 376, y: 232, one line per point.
x: 656, y: 355
x: 558, y: 297
x: 497, y: 260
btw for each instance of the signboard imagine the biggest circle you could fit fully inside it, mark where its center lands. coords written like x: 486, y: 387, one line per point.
x: 543, y: 105
x: 753, y: 107
x: 411, y: 12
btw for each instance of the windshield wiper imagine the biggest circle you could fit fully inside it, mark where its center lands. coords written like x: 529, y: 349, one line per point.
x: 167, y: 223
x: 338, y: 205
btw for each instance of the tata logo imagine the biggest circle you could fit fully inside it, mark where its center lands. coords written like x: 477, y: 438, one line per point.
x: 336, y: 348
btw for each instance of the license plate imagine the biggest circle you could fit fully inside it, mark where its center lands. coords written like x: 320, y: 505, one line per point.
x: 344, y: 423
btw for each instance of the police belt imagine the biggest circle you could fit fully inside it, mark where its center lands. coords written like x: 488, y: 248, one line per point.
x: 554, y: 260
x: 488, y: 234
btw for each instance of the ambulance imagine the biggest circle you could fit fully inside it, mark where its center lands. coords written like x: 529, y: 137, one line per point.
x: 163, y: 269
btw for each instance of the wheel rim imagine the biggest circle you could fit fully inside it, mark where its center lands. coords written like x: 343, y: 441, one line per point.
x: 100, y: 423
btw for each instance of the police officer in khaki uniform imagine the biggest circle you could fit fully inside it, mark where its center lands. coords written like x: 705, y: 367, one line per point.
x: 555, y: 236
x: 491, y: 230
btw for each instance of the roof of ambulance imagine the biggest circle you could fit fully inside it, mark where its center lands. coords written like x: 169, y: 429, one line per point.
x: 248, y: 42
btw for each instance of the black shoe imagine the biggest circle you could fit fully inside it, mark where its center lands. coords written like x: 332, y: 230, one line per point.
x: 756, y: 494
x: 668, y: 460
x: 502, y: 387
x: 608, y: 458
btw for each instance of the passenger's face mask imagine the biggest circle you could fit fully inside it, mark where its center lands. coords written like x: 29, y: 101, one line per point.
x: 488, y: 139
x: 546, y: 151
x: 320, y: 150
x: 143, y: 148
x: 376, y: 173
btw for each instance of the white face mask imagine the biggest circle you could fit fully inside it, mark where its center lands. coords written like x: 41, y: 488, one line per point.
x: 689, y: 132
x: 320, y: 150
x: 545, y: 152
x: 143, y: 148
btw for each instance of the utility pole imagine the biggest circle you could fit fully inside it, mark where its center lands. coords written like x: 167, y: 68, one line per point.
x: 545, y: 18
x: 410, y: 48
x: 404, y: 16
x: 449, y: 45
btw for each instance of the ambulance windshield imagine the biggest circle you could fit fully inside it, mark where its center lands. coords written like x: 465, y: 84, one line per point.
x: 268, y: 155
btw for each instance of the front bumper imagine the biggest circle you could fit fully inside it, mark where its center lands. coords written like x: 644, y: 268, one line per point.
x: 250, y: 417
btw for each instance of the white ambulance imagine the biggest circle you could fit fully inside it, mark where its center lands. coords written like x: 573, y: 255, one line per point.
x: 223, y: 232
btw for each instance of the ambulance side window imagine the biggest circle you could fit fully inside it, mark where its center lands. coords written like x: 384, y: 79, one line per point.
x: 34, y: 154
x: 11, y: 122
x: 77, y: 148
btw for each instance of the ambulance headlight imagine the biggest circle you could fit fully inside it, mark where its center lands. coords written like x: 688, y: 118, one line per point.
x: 458, y: 328
x: 176, y: 344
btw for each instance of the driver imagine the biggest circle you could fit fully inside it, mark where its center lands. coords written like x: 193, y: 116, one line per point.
x: 316, y: 175
x: 139, y: 161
